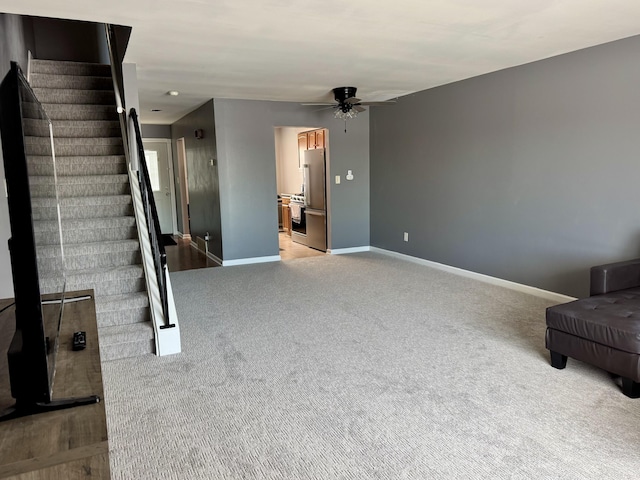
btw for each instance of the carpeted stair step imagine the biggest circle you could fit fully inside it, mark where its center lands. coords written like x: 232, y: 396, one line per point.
x: 61, y: 111
x: 72, y: 96
x: 81, y: 165
x: 70, y: 68
x: 67, y: 147
x: 87, y: 230
x: 44, y: 208
x: 73, y: 128
x: 87, y: 256
x: 126, y: 341
x: 125, y: 309
x: 79, y: 186
x: 76, y: 82
x: 111, y: 281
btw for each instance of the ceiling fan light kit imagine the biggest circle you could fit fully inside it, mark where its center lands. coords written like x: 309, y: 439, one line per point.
x: 345, y: 112
x: 348, y: 105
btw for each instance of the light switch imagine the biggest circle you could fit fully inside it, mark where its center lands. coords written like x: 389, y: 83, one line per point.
x: 349, y: 174
x: 337, y: 179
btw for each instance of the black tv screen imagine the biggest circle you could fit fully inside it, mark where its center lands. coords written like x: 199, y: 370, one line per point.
x: 35, y: 246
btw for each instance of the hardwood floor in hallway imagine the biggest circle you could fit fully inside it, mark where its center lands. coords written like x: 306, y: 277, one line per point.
x: 185, y: 257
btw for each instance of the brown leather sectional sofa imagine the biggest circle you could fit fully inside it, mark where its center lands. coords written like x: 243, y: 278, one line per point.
x: 604, y: 328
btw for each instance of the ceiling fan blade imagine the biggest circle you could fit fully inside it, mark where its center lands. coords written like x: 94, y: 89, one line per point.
x: 325, y: 108
x: 388, y: 102
x: 320, y: 103
x: 359, y: 109
x: 352, y: 100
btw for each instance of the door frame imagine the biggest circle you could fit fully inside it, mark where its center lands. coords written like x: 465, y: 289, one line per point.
x: 183, y: 175
x: 327, y: 171
x: 172, y: 184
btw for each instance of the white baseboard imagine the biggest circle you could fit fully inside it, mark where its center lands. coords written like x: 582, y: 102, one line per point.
x: 208, y: 254
x: 342, y: 251
x: 186, y: 236
x: 538, y: 292
x: 247, y: 261
x: 214, y: 258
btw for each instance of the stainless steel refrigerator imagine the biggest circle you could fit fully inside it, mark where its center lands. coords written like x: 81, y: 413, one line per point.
x: 315, y: 199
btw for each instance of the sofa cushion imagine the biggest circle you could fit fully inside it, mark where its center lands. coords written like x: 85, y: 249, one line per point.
x: 611, y: 319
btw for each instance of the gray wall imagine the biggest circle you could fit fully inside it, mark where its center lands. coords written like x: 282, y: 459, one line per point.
x: 156, y: 131
x: 16, y: 38
x: 204, y: 188
x: 16, y: 35
x: 248, y: 198
x: 71, y: 40
x: 528, y: 174
x: 122, y: 37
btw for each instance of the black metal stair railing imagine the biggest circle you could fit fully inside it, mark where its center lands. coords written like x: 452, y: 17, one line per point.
x: 148, y: 202
x: 151, y: 214
x: 118, y: 87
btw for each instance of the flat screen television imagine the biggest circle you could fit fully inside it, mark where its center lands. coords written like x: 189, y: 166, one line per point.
x: 37, y: 255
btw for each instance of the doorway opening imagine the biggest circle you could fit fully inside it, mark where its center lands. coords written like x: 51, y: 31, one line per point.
x: 183, y: 182
x: 301, y: 166
x: 157, y: 152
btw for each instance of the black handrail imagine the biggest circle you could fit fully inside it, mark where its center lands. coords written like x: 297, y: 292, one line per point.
x: 148, y: 202
x: 151, y: 213
x: 118, y: 87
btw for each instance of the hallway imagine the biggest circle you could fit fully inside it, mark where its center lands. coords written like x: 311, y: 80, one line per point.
x: 183, y: 256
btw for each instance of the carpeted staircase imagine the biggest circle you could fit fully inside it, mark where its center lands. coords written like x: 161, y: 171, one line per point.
x: 100, y: 238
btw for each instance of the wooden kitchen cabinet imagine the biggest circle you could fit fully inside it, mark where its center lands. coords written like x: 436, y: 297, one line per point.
x: 286, y: 218
x: 309, y: 141
x: 319, y: 139
x: 315, y: 139
x: 303, y: 142
x: 303, y: 145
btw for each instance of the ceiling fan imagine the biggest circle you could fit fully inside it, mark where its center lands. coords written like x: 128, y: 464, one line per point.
x: 348, y: 105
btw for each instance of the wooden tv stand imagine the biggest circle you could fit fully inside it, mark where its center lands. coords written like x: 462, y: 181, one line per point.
x: 64, y: 444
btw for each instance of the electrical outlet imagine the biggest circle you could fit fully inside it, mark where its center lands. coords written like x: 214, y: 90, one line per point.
x: 406, y: 236
x: 349, y: 175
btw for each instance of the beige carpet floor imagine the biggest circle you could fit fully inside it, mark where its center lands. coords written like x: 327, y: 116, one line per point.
x: 362, y: 367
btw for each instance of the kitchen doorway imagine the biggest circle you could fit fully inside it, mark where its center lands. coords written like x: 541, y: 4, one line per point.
x: 301, y: 174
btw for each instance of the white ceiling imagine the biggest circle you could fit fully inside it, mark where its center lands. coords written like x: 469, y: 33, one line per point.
x: 298, y: 50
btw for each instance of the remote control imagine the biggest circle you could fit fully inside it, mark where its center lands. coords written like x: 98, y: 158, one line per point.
x: 79, y: 340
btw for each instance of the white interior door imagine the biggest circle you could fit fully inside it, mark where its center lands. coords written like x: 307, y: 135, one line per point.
x: 157, y: 154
